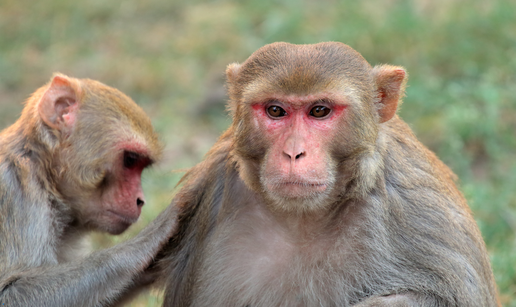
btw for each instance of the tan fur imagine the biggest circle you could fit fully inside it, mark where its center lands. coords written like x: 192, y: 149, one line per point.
x: 63, y: 175
x: 391, y: 228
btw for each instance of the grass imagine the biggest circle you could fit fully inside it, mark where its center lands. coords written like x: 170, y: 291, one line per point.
x: 170, y: 57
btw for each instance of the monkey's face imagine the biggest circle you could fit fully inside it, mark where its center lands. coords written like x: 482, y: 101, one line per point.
x: 102, y: 160
x: 292, y: 108
x: 108, y: 195
x: 297, y: 170
x: 119, y: 193
x: 305, y: 114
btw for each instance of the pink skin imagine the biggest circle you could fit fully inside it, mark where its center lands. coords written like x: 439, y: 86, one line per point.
x: 70, y: 116
x: 128, y: 189
x: 297, y: 161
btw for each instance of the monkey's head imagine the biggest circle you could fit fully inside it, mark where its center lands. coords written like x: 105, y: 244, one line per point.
x: 100, y: 141
x: 305, y: 113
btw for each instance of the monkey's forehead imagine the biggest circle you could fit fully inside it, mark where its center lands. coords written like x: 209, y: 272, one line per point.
x: 109, y: 101
x: 301, y: 69
x: 330, y: 46
x: 107, y: 107
x: 330, y: 56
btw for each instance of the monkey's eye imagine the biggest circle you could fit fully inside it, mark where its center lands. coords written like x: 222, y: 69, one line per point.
x: 275, y: 111
x: 320, y: 111
x: 130, y: 159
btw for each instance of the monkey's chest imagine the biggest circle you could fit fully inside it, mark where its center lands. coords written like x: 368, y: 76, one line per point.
x: 265, y: 268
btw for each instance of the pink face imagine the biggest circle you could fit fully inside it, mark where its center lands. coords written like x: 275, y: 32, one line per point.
x: 300, y: 130
x: 124, y: 197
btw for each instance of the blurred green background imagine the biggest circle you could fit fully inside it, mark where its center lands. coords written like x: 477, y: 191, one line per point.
x: 170, y: 57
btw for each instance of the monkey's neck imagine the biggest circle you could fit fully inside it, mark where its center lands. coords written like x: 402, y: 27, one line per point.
x: 74, y: 243
x: 305, y: 227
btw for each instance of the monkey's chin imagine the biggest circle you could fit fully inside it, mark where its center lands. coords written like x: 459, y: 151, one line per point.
x: 300, y: 190
x: 117, y: 223
x: 298, y: 197
x: 108, y: 225
x: 117, y: 229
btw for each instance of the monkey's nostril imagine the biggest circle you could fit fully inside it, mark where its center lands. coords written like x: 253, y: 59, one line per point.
x: 140, y: 202
x: 295, y: 157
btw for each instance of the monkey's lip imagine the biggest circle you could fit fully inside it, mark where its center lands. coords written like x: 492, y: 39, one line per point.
x: 303, y: 184
x: 123, y: 218
x: 300, y: 188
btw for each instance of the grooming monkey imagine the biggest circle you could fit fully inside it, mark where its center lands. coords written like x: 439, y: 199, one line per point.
x: 70, y: 165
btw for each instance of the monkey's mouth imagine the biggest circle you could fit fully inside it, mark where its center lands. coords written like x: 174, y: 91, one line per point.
x: 303, y: 189
x: 121, y: 218
x: 303, y: 184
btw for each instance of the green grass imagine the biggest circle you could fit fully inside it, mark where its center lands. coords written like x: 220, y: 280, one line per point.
x: 170, y: 57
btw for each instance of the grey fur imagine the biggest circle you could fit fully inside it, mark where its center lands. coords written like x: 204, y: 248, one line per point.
x: 41, y: 259
x: 398, y: 233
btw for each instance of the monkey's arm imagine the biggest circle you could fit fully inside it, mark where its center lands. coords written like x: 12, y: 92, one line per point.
x: 95, y: 280
x: 200, y: 201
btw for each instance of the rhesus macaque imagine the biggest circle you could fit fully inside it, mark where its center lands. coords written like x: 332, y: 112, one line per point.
x: 70, y: 165
x: 320, y: 195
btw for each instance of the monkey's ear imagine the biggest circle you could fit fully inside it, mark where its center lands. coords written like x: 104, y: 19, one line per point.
x: 231, y: 75
x: 232, y: 72
x: 390, y: 88
x: 58, y: 105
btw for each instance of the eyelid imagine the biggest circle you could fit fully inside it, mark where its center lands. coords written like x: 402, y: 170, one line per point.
x: 131, y: 159
x: 321, y: 117
x: 274, y: 103
x: 328, y: 104
x: 267, y: 111
x: 322, y: 102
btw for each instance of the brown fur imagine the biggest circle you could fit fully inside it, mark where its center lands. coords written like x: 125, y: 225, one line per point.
x: 391, y: 228
x: 62, y: 169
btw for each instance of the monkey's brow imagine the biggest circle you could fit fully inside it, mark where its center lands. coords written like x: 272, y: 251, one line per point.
x: 324, y: 101
x: 297, y: 100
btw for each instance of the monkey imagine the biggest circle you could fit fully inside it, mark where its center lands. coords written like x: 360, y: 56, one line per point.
x: 319, y: 194
x: 72, y: 164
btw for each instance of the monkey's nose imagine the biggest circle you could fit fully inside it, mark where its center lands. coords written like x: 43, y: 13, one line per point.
x: 140, y: 202
x: 294, y: 148
x: 299, y: 155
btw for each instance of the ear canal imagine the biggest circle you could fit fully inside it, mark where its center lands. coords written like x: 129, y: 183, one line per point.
x: 390, y: 86
x: 58, y: 104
